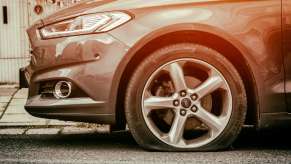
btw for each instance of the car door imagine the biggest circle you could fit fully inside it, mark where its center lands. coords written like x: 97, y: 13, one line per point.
x: 286, y: 20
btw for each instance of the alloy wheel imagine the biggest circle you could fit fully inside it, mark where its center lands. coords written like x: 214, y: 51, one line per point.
x: 186, y: 103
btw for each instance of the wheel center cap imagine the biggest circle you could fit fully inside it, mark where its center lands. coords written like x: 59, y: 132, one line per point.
x: 186, y: 103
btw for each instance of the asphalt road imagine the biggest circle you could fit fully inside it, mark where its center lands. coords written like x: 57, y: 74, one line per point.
x: 251, y: 147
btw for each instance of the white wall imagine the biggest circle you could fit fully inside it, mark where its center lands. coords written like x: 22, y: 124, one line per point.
x: 14, y: 45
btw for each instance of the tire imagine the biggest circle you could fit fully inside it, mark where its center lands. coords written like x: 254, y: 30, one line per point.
x: 216, y: 112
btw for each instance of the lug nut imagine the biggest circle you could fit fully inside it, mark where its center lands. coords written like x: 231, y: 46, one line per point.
x: 176, y: 103
x: 183, y: 112
x: 183, y: 93
x: 194, y: 108
x: 194, y: 97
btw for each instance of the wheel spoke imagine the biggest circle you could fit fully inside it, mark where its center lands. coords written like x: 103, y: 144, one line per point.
x: 211, y: 84
x: 177, y: 76
x: 213, y: 122
x: 154, y: 102
x: 176, y: 132
x: 147, y: 94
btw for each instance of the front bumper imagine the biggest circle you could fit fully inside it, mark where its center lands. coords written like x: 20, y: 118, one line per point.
x: 90, y: 63
x: 68, y: 109
x: 24, y: 77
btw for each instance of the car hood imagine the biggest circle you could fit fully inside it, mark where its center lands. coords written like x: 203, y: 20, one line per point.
x: 93, y: 6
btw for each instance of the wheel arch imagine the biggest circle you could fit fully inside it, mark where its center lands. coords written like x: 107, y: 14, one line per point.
x: 198, y: 34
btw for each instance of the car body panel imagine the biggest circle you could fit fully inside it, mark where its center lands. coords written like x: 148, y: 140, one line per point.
x: 253, y: 27
x: 241, y: 23
x: 287, y: 48
x: 94, y: 6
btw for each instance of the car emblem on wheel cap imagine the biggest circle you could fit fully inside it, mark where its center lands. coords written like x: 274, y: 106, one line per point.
x: 186, y: 103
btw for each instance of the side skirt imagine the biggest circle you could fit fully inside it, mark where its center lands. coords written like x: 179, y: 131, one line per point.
x: 275, y: 120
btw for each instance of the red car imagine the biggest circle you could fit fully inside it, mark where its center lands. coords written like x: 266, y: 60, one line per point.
x: 185, y: 75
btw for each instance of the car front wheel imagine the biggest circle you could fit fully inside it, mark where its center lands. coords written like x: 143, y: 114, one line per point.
x: 185, y: 97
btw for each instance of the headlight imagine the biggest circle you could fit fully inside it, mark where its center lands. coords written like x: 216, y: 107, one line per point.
x: 86, y: 24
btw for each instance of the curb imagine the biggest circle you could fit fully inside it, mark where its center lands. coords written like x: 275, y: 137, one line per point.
x: 51, y: 131
x: 14, y: 126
